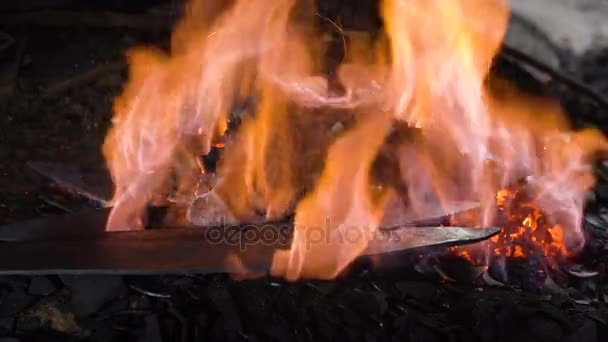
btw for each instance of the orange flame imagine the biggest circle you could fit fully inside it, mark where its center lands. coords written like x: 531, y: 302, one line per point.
x: 428, y: 69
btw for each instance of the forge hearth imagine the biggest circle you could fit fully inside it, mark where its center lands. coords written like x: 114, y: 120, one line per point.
x: 64, y: 278
x: 406, y: 113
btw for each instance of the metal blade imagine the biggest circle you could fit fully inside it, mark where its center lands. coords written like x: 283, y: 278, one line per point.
x: 200, y: 250
x: 70, y: 178
x: 407, y: 238
x: 141, y: 252
x: 428, y: 214
x: 92, y: 222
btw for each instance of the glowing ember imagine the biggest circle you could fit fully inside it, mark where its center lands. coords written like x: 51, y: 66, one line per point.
x: 428, y: 69
x: 526, y: 232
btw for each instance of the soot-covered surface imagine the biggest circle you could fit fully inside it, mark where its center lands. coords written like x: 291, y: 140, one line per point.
x: 408, y: 301
x: 363, y: 307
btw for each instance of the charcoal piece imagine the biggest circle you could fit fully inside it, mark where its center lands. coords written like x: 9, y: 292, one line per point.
x: 587, y: 331
x: 181, y: 326
x: 487, y: 279
x: 596, y: 221
x: 601, y: 190
x: 461, y: 310
x: 90, y: 293
x: 210, y: 160
x: 603, y: 330
x: 458, y: 269
x: 425, y: 268
x: 9, y: 339
x: 224, y: 304
x: 351, y: 318
x: 104, y: 333
x: 557, y: 291
x: 497, y: 319
x: 131, y: 325
x: 51, y: 312
x: 590, y: 199
x: 252, y: 298
x: 28, y: 324
x: 365, y: 303
x: 325, y: 328
x: 139, y: 303
x: 423, y: 291
x: 601, y: 171
x: 544, y: 328
x: 173, y: 329
x: 47, y: 336
x: 16, y: 281
x: 200, y: 327
x: 520, y: 273
x: 401, y: 326
x: 14, y: 302
x: 278, y: 331
x: 420, y: 333
x: 149, y: 286
x: 152, y: 332
x: 321, y: 286
x: 579, y: 271
x: 553, y: 312
x: 41, y: 286
x: 7, y: 325
x: 182, y: 283
x: 351, y: 333
x: 10, y: 66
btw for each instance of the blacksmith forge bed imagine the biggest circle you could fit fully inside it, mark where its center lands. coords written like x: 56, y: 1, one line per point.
x: 291, y: 170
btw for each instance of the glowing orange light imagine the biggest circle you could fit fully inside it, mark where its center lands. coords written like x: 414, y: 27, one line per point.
x: 429, y: 68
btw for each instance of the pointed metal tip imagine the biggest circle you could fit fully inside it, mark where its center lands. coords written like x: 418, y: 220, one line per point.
x: 407, y: 238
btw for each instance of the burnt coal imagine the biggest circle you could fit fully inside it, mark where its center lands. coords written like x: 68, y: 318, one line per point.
x: 9, y: 339
x: 418, y: 290
x: 152, y: 332
x: 90, y: 293
x: 458, y: 269
x: 41, y: 286
x: 13, y: 302
x: 230, y: 319
x: 527, y: 274
x: 586, y: 330
x: 363, y: 306
x: 7, y: 325
x: 149, y: 286
x: 602, y: 191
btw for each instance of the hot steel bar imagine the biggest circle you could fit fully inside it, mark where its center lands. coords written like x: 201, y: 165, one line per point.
x: 198, y: 250
x: 92, y: 222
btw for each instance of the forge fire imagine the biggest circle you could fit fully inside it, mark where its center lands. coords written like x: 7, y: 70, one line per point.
x: 410, y: 117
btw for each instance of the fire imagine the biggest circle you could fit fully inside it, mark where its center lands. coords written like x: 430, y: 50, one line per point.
x: 427, y: 69
x: 527, y: 232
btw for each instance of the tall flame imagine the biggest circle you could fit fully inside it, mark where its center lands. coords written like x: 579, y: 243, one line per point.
x: 428, y: 69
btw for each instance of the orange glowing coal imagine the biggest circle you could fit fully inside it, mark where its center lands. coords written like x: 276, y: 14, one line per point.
x: 428, y: 69
x: 526, y: 232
